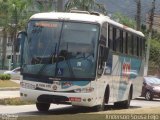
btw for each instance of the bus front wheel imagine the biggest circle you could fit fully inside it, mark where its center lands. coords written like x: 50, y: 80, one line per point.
x: 42, y: 107
x: 105, y: 100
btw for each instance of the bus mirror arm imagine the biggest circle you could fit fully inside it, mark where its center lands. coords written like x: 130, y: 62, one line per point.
x: 105, y: 53
x: 21, y: 37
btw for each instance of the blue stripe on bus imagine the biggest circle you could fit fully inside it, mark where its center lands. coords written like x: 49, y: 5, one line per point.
x: 133, y: 73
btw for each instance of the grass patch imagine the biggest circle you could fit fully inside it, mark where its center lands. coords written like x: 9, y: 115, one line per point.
x: 94, y: 115
x: 65, y: 117
x: 5, y: 77
x: 134, y: 111
x: 8, y: 83
x: 14, y: 101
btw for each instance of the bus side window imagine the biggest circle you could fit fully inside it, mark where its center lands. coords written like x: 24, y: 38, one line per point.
x: 104, y: 34
x: 121, y: 41
x: 110, y: 37
x: 129, y: 44
x: 141, y: 47
x: 138, y: 46
x: 118, y: 40
x: 114, y: 39
x: 135, y: 45
x: 144, y: 46
x: 124, y: 42
x: 101, y: 62
x: 132, y: 44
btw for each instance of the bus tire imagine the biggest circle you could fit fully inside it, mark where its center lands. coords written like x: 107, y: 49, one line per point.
x: 42, y: 107
x: 124, y: 104
x: 100, y: 107
x: 105, y: 100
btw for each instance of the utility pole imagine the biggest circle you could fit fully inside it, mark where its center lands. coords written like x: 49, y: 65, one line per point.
x: 138, y: 16
x: 151, y: 20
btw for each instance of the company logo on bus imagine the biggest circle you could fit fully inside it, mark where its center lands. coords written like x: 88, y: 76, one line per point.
x: 54, y: 87
x: 66, y: 85
x: 126, y: 68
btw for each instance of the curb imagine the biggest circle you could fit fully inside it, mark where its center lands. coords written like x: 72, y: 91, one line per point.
x: 9, y: 89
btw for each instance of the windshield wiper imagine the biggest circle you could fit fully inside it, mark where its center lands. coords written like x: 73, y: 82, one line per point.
x: 50, y: 56
x: 67, y: 61
x: 56, y: 58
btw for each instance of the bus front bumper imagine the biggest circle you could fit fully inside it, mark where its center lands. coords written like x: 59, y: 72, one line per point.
x: 77, y: 99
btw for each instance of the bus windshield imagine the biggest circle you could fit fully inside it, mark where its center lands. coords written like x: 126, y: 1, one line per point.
x: 61, y: 49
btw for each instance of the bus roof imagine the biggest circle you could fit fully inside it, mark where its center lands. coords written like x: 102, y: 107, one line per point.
x: 85, y: 17
x: 69, y: 16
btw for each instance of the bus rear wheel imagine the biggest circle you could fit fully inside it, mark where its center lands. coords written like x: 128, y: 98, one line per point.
x: 42, y: 107
x: 124, y: 104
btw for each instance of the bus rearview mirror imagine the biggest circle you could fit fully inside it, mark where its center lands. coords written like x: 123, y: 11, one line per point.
x: 21, y: 38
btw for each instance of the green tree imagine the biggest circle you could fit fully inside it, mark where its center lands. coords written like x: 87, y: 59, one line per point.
x: 155, y: 53
x: 3, y: 22
x: 13, y: 15
x: 43, y: 5
x: 125, y: 20
x: 86, y: 5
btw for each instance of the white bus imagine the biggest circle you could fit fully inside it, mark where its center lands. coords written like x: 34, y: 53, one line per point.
x: 82, y: 59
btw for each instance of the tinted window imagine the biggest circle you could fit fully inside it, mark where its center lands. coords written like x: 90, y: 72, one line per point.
x: 138, y: 46
x: 135, y: 46
x: 129, y: 43
x: 110, y: 34
x: 118, y: 40
x: 121, y: 41
x: 104, y: 34
x: 114, y: 39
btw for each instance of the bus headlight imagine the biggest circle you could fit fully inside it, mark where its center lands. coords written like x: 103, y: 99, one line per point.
x: 84, y: 90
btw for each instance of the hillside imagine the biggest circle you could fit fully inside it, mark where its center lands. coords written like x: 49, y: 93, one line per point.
x: 128, y: 7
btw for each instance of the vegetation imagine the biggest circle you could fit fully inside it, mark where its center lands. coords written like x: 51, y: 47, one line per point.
x: 124, y: 20
x: 66, y: 117
x: 14, y: 101
x: 12, y: 18
x: 5, y: 77
x: 86, y: 5
x: 8, y: 83
x: 14, y: 15
x: 93, y: 116
x: 154, y: 56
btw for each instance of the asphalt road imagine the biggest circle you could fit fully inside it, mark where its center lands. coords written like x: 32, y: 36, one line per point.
x: 28, y: 110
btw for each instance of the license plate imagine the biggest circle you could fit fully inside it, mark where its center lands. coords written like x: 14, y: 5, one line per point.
x: 75, y: 99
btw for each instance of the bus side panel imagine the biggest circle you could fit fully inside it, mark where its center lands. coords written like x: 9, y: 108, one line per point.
x: 137, y: 88
x: 102, y: 84
x: 126, y: 71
